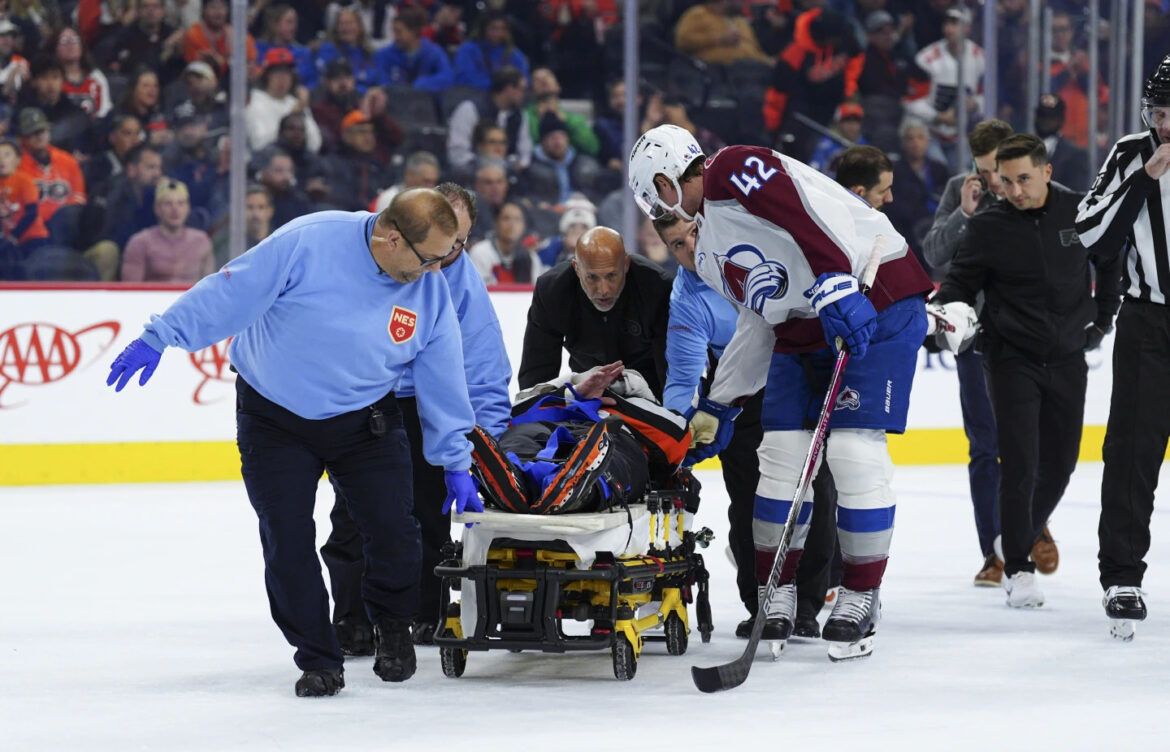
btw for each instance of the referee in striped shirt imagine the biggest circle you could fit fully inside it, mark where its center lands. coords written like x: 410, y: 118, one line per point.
x: 1128, y: 209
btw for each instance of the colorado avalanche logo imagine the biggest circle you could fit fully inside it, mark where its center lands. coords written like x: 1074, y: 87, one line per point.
x: 750, y: 278
x: 847, y: 399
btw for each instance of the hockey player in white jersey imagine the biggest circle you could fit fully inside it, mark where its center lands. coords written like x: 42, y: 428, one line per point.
x: 786, y: 245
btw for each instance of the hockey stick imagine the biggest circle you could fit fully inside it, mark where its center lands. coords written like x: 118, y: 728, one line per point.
x: 730, y: 675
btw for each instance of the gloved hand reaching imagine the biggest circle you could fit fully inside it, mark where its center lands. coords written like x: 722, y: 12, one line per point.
x: 953, y: 324
x: 712, y: 425
x: 137, y: 355
x: 461, y: 492
x: 844, y: 312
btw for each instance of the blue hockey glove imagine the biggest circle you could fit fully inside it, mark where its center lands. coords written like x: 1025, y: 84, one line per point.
x: 137, y: 355
x: 461, y: 491
x: 712, y: 425
x: 844, y: 312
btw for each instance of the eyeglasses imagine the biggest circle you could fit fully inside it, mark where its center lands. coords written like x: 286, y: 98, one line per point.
x: 423, y: 261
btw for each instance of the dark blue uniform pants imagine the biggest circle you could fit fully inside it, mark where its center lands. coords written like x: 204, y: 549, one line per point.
x: 342, y: 552
x: 983, y: 466
x: 282, y: 457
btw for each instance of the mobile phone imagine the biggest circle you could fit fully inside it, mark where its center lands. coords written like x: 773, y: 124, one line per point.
x: 975, y: 171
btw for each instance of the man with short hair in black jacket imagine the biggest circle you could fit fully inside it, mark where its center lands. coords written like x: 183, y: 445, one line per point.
x: 602, y: 306
x: 1040, y: 316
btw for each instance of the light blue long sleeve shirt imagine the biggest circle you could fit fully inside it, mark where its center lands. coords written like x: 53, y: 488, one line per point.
x: 699, y: 318
x: 321, y: 331
x: 485, y: 360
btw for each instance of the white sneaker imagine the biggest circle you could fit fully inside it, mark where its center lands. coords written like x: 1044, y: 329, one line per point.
x: 1022, y: 591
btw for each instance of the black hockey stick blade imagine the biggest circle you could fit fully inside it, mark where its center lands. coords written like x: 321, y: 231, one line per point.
x: 718, y: 678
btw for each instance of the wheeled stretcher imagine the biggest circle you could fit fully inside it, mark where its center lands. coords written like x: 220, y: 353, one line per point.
x: 587, y: 581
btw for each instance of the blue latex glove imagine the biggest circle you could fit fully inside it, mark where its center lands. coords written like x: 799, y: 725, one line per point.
x: 137, y: 355
x: 462, y: 492
x: 844, y: 312
x: 712, y: 426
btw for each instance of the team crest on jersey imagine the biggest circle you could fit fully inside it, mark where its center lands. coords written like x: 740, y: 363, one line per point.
x: 751, y: 279
x: 403, y: 322
x: 848, y: 399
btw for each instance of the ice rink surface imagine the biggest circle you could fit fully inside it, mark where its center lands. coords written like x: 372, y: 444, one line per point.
x: 134, y: 618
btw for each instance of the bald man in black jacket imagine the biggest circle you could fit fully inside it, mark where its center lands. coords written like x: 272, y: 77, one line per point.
x: 603, y: 306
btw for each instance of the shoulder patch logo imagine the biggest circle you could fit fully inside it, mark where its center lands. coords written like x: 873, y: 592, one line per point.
x: 750, y: 279
x: 403, y: 322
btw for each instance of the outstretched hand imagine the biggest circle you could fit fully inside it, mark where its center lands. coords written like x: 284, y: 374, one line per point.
x: 596, y: 380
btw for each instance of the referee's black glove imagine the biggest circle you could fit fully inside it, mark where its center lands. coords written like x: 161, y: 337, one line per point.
x: 1093, y: 337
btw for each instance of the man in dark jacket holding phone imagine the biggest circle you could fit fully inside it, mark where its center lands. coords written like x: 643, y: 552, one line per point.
x: 1039, y: 317
x: 965, y: 196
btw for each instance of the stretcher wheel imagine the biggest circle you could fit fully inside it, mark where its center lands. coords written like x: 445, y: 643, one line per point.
x: 454, y: 660
x: 676, y: 634
x: 625, y: 663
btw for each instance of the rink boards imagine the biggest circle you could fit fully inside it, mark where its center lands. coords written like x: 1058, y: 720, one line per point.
x: 60, y: 423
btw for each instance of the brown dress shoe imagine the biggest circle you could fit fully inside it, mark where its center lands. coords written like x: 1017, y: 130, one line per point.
x: 992, y: 573
x: 1044, y: 553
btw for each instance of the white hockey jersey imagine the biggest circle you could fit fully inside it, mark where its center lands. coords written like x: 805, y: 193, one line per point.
x: 943, y: 68
x: 768, y: 227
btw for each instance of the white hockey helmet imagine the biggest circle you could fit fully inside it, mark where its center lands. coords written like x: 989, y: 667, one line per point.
x: 665, y: 150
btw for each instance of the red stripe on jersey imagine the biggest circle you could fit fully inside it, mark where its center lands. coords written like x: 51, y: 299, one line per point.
x: 776, y: 200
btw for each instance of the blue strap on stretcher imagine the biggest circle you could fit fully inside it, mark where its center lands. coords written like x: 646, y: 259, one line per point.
x: 541, y: 469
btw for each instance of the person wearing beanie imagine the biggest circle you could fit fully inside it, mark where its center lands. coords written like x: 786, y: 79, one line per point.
x: 557, y: 168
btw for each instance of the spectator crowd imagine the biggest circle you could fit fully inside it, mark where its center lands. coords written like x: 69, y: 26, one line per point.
x: 114, y: 118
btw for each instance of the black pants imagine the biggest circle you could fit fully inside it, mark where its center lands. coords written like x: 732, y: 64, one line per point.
x: 1039, y: 412
x: 741, y: 475
x: 342, y: 552
x: 1135, y: 440
x: 282, y: 457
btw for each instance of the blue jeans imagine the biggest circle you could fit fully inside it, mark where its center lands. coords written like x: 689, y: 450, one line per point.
x: 979, y: 425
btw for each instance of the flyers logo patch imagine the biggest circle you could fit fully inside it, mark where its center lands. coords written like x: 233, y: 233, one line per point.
x: 403, y: 322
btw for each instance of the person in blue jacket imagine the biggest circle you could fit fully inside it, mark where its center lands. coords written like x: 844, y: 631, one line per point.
x: 488, y: 373
x: 327, y: 313
x: 349, y: 39
x: 280, y: 30
x: 413, y: 60
x: 489, y: 49
x: 702, y: 323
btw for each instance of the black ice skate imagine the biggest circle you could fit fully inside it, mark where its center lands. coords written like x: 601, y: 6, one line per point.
x: 394, y: 659
x: 320, y: 682
x: 1124, y: 606
x: 780, y: 615
x: 853, y: 623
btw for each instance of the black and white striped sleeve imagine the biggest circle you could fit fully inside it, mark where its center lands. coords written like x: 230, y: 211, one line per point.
x: 1105, y: 217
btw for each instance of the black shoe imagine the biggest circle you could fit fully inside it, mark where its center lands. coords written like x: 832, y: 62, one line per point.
x: 743, y: 630
x: 320, y: 682
x: 356, y: 637
x: 806, y: 626
x: 423, y: 633
x: 394, y: 658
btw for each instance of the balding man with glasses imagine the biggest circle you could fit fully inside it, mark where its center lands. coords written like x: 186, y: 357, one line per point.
x: 327, y: 315
x: 488, y: 373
